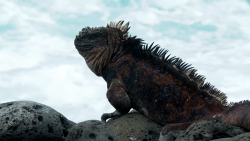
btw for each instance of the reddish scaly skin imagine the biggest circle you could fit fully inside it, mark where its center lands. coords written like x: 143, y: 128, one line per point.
x: 152, y: 89
x: 161, y: 96
x: 167, y: 100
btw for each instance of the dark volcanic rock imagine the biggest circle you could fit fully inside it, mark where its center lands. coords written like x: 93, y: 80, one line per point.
x: 92, y: 130
x: 241, y: 137
x: 31, y: 121
x: 135, y: 127
x: 171, y: 136
x: 205, y: 131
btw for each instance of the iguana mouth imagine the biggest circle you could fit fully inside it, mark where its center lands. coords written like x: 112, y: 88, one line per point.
x: 80, y: 46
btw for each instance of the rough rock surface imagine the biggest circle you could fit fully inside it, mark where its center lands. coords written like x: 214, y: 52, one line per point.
x: 171, y: 136
x: 135, y: 127
x: 241, y: 137
x: 31, y: 121
x: 92, y: 130
x: 205, y: 131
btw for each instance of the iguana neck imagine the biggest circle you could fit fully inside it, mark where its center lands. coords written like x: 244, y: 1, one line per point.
x: 114, y: 65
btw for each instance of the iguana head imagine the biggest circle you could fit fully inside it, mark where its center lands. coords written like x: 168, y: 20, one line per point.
x: 100, y: 45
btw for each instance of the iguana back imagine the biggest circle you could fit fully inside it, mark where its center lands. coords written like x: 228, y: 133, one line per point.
x: 163, y: 88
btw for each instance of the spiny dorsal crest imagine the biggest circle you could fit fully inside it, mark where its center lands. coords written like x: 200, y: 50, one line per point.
x: 190, y: 72
x: 175, y: 62
x: 123, y: 28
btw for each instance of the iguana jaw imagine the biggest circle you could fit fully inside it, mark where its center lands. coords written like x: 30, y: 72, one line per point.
x: 81, y: 46
x: 91, y: 59
x: 86, y: 50
x: 90, y: 43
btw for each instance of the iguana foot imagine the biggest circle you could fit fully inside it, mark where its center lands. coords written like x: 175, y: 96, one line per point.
x: 106, y: 116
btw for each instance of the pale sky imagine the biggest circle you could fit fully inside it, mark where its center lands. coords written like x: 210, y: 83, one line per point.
x: 39, y: 62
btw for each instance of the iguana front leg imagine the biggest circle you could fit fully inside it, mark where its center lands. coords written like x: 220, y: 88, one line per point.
x: 119, y: 99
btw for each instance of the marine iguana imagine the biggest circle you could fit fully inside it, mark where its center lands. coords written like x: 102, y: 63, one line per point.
x: 165, y: 89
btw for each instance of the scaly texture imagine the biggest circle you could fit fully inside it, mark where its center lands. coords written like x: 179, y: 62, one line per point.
x: 163, y: 88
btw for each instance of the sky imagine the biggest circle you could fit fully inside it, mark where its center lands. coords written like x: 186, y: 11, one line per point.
x: 39, y: 62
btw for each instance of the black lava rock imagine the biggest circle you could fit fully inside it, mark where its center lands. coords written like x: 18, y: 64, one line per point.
x: 31, y: 121
x: 171, y: 136
x: 204, y: 131
x: 92, y: 130
x: 240, y: 137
